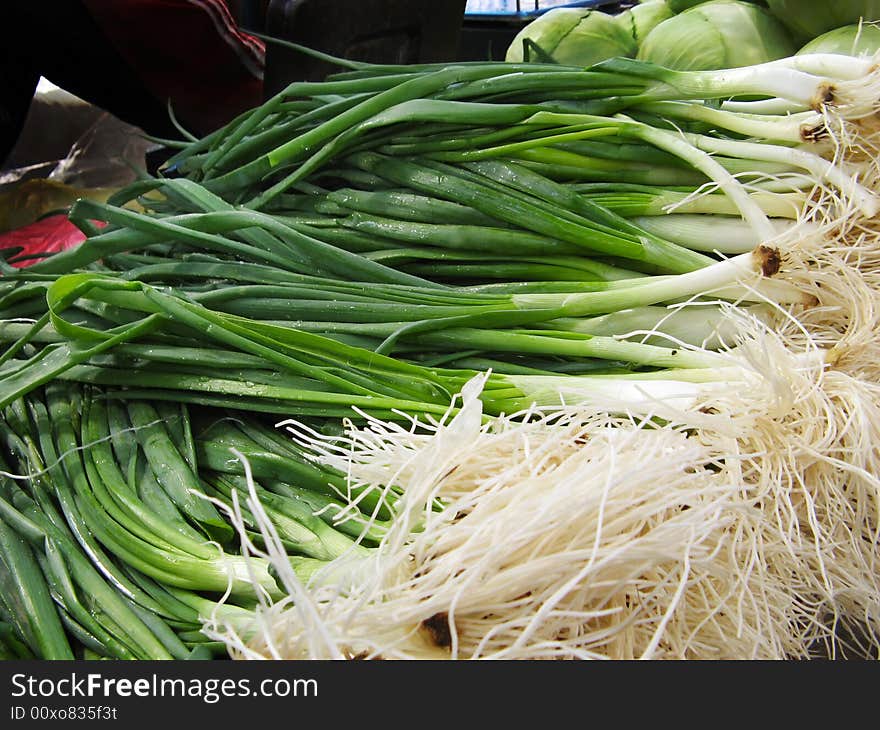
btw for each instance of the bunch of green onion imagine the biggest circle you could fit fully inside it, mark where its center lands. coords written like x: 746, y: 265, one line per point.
x: 116, y: 539
x: 364, y: 247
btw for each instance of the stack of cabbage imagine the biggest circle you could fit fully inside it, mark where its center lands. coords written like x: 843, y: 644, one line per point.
x: 581, y: 362
x: 693, y: 35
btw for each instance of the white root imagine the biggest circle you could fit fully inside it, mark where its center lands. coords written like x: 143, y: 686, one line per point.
x: 745, y: 529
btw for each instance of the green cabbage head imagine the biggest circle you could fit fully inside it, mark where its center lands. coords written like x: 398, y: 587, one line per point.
x: 572, y: 37
x: 719, y: 34
x: 678, y: 6
x: 807, y: 19
x: 641, y: 19
x: 850, y: 40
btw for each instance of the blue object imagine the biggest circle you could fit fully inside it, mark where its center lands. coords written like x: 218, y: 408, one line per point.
x: 521, y: 8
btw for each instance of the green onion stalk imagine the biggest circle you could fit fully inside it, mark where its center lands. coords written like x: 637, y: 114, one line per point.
x: 561, y: 122
x: 296, y: 371
x: 490, y: 94
x: 116, y: 535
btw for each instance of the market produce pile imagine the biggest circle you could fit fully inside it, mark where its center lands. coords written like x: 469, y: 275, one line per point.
x: 467, y: 360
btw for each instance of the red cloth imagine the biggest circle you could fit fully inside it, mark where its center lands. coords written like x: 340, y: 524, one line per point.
x: 47, y: 235
x: 189, y: 51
